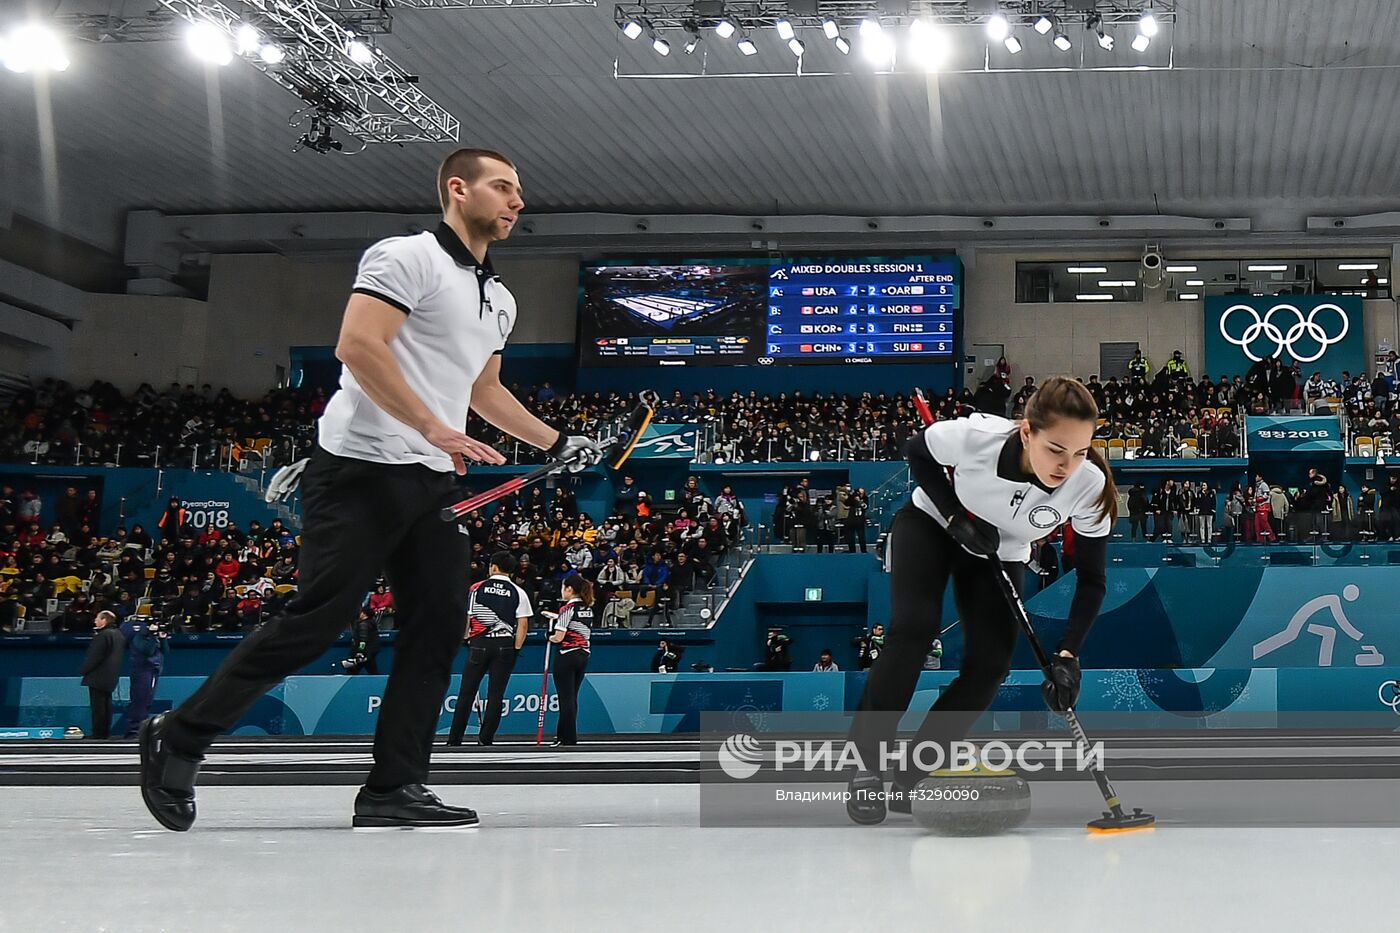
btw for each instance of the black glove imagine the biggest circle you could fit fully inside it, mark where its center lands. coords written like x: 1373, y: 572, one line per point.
x: 1061, y: 688
x: 975, y: 535
x: 583, y: 452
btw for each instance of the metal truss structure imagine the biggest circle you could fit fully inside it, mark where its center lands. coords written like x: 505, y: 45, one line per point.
x: 692, y: 21
x: 372, y: 98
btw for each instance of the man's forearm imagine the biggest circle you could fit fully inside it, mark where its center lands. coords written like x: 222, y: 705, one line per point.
x: 378, y: 373
x: 502, y: 410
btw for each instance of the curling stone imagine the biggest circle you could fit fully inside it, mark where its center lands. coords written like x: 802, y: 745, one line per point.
x: 976, y: 801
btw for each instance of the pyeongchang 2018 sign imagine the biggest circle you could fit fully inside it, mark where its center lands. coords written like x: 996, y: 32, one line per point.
x: 1321, y: 333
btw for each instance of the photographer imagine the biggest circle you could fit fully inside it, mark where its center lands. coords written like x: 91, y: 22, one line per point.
x: 868, y: 647
x: 777, y: 654
x: 364, y: 645
x: 667, y: 658
x: 149, y: 641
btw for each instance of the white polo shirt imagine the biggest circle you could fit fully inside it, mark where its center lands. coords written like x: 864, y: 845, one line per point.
x: 459, y: 314
x: 984, y: 452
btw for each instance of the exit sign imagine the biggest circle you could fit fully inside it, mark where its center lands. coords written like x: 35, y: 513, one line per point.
x: 814, y: 594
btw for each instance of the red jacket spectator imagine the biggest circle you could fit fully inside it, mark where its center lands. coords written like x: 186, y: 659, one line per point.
x: 379, y: 602
x: 227, y: 569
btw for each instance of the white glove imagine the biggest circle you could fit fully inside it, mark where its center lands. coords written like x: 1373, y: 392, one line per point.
x: 579, y: 451
x: 284, y: 482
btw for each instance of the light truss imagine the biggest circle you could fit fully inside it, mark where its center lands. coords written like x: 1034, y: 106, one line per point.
x: 663, y: 24
x: 762, y: 14
x: 454, y: 4
x: 377, y: 100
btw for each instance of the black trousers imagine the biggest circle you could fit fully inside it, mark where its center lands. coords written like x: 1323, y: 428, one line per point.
x: 854, y: 534
x: 922, y: 559
x: 568, y: 678
x: 1137, y: 525
x: 101, y: 703
x: 360, y: 518
x: 495, y: 656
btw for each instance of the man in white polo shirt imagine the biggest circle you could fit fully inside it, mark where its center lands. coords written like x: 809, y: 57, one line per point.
x: 420, y: 343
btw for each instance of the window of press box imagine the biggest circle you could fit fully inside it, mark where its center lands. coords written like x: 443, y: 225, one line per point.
x: 1083, y: 281
x: 1191, y: 279
x: 1078, y: 282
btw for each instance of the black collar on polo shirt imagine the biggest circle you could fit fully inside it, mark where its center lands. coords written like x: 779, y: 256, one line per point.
x: 1009, y: 464
x: 452, y: 244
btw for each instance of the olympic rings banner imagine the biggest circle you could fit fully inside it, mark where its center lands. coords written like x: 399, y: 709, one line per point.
x: 1321, y: 333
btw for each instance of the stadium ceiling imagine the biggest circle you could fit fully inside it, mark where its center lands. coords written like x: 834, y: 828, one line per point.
x: 1270, y: 111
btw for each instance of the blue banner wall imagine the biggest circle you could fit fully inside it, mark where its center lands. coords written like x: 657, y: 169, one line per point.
x: 650, y: 703
x: 1322, y: 333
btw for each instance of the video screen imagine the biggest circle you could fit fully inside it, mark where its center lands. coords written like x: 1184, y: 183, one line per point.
x: 690, y: 315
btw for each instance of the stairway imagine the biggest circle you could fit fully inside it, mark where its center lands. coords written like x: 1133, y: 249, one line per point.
x: 290, y: 517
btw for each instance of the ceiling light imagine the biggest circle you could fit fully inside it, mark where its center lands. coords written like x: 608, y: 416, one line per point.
x: 797, y: 46
x: 208, y: 43
x: 1147, y: 25
x: 1196, y: 282
x: 32, y: 47
x: 1043, y: 25
x: 725, y: 28
x: 630, y: 28
x: 272, y: 54
x: 1188, y: 296
x: 661, y: 46
x: 1105, y: 41
x: 1358, y: 266
x: 830, y: 28
x: 784, y: 27
x: 1117, y: 283
x: 997, y: 27
x: 747, y: 47
x: 928, y: 44
x: 842, y: 45
x: 1062, y: 42
x: 360, y: 53
x: 1181, y: 268
x: 1013, y: 45
x: 1093, y: 297
x: 875, y: 44
x: 691, y: 44
x: 1141, y: 42
x: 1086, y: 270
x: 247, y: 39
x: 1268, y: 268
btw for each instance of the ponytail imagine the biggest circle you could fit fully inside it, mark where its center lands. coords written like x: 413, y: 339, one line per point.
x: 1059, y: 397
x: 581, y: 586
x: 1108, y: 499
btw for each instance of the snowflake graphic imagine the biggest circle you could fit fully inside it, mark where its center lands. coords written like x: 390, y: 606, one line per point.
x: 639, y: 722
x: 1124, y: 689
x: 821, y: 702
x: 1121, y: 586
x: 700, y: 698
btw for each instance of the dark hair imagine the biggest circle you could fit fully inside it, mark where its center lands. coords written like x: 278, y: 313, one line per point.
x: 1058, y: 398
x: 466, y: 165
x: 581, y: 587
x: 503, y: 561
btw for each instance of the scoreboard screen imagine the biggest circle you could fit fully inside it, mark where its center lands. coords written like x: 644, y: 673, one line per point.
x: 851, y: 311
x: 732, y: 312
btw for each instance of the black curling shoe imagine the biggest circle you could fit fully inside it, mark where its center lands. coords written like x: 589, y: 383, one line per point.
x: 412, y: 806
x: 866, y: 805
x: 167, y: 778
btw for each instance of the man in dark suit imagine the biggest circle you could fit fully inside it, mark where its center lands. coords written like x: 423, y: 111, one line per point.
x: 101, y: 667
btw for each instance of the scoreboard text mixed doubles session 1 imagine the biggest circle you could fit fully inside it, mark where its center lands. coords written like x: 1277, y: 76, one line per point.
x: 857, y: 312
